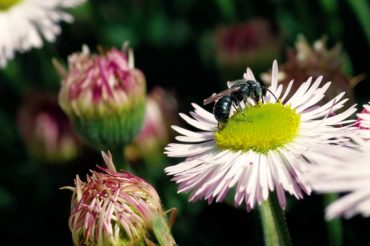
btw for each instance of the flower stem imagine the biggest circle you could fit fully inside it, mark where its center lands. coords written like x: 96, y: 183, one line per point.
x: 361, y: 8
x: 334, y: 226
x: 162, y: 232
x: 275, y: 229
x: 119, y: 158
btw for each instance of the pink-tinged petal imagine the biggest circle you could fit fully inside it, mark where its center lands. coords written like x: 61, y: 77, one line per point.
x: 274, y: 77
x: 107, y: 77
x: 249, y: 75
x: 286, y: 93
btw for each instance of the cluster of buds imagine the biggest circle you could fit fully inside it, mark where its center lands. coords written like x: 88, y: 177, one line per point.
x: 247, y: 44
x: 160, y: 114
x: 46, y: 130
x: 104, y: 95
x: 313, y: 61
x: 116, y: 208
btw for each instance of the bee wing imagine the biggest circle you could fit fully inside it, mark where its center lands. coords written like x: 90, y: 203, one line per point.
x: 234, y: 82
x: 216, y: 96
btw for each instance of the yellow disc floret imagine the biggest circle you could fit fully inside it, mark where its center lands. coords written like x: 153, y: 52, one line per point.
x: 259, y: 128
x: 7, y: 4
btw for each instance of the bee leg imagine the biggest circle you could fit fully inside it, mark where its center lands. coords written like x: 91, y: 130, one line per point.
x: 264, y: 90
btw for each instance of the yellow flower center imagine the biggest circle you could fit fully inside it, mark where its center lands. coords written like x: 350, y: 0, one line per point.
x: 7, y: 4
x: 259, y: 128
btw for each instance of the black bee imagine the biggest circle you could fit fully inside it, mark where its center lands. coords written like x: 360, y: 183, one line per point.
x: 239, y: 91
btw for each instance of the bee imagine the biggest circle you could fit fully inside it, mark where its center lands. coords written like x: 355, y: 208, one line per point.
x: 238, y: 91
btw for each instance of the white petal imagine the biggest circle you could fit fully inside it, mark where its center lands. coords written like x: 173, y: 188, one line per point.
x: 25, y: 23
x: 249, y: 75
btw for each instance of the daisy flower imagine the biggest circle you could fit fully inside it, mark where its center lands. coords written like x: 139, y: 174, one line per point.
x: 262, y: 147
x: 25, y: 23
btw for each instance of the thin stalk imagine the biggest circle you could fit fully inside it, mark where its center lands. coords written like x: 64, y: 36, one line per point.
x: 162, y: 232
x: 361, y: 8
x: 275, y: 229
x: 227, y: 9
x: 334, y: 226
x: 119, y: 159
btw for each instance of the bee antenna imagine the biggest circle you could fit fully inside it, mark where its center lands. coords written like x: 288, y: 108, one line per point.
x: 328, y: 114
x: 271, y: 93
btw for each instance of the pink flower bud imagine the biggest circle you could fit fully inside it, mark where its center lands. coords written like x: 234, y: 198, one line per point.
x: 104, y: 95
x: 160, y: 114
x: 46, y: 130
x: 115, y: 208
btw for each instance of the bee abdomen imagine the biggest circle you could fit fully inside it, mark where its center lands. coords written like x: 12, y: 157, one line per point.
x: 222, y: 108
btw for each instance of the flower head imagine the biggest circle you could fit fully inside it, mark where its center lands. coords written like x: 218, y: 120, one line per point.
x: 314, y: 60
x: 263, y: 147
x: 25, y: 23
x: 46, y: 130
x: 344, y: 171
x: 104, y: 95
x: 253, y: 42
x: 115, y: 208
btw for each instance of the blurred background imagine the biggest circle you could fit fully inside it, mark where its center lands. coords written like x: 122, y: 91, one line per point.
x: 187, y: 50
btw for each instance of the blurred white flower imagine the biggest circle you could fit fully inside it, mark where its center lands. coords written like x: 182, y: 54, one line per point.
x: 347, y: 171
x: 25, y: 23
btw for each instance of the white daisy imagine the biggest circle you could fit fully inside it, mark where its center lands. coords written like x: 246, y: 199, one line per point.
x: 260, y: 149
x: 25, y: 23
x: 346, y: 171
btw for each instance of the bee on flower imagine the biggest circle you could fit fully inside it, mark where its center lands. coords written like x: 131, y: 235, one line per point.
x: 264, y: 146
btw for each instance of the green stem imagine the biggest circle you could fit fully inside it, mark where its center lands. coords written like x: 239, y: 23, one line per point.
x: 334, y: 226
x: 119, y: 159
x: 275, y: 229
x: 330, y: 7
x: 304, y: 18
x: 162, y: 232
x: 227, y: 9
x: 361, y: 9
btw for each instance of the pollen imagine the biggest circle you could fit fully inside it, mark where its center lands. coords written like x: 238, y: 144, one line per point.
x: 260, y: 128
x: 7, y: 4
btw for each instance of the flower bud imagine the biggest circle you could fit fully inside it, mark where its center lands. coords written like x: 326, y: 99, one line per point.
x: 160, y: 114
x: 104, y: 95
x: 313, y: 61
x: 116, y: 208
x: 252, y: 43
x: 46, y: 130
